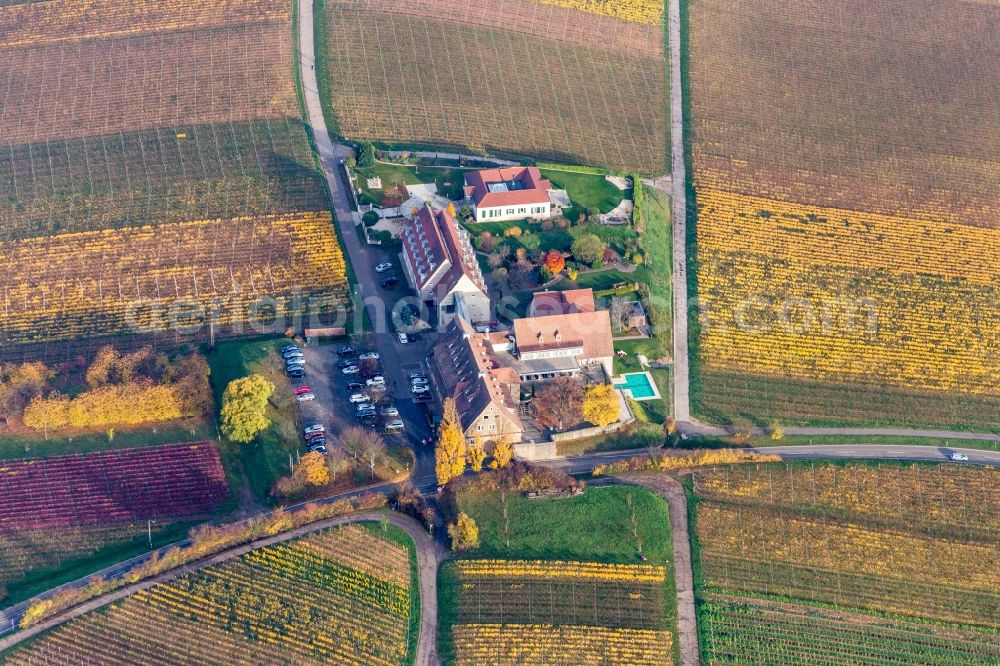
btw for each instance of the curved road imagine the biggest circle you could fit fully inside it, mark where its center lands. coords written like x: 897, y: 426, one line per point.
x: 429, y: 555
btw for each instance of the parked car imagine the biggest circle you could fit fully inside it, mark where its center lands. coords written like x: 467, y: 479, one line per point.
x: 389, y: 282
x: 354, y: 387
x: 359, y: 397
x: 302, y: 389
x: 288, y: 348
x: 305, y: 397
x: 344, y: 362
x: 377, y: 380
x: 395, y: 425
x: 373, y: 355
x: 389, y: 410
x: 402, y: 338
x: 383, y: 267
x: 345, y: 350
x: 315, y: 427
x: 351, y: 370
x: 959, y: 457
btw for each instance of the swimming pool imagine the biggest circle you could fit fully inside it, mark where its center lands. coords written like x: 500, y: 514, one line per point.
x: 640, y: 385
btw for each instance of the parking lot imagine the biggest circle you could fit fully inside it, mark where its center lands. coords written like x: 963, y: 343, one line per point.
x: 332, y: 389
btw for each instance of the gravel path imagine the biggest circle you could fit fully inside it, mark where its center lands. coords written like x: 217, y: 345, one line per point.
x: 671, y: 490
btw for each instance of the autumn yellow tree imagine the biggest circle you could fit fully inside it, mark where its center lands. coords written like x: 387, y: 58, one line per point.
x: 476, y: 453
x: 450, y: 454
x: 464, y: 532
x: 243, y: 405
x: 600, y: 404
x: 51, y: 412
x: 313, y: 469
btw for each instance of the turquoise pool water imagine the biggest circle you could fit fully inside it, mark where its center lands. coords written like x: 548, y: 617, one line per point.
x: 638, y: 383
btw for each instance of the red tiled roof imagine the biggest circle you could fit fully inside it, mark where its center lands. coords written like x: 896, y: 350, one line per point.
x: 591, y: 330
x: 424, y: 245
x: 561, y: 302
x: 536, y: 189
x: 434, y: 238
x: 463, y: 260
x: 464, y: 361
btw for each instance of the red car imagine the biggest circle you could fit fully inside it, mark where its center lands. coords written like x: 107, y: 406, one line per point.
x: 302, y: 389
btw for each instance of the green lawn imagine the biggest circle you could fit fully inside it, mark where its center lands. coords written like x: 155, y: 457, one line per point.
x: 585, y: 190
x: 449, y: 180
x: 592, y: 527
x: 642, y: 435
x: 595, y: 526
x: 266, y: 459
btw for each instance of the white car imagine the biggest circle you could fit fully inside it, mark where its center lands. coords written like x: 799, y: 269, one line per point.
x: 959, y: 457
x: 351, y: 370
x: 383, y: 267
x: 359, y: 397
x: 373, y: 355
x: 305, y: 397
x: 402, y: 338
x: 377, y: 380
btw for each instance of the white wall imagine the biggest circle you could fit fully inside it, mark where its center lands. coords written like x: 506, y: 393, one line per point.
x: 507, y: 213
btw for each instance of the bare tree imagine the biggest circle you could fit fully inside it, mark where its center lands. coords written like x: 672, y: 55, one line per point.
x: 352, y: 440
x: 373, y: 450
x: 618, y: 310
x: 336, y: 457
x: 560, y: 402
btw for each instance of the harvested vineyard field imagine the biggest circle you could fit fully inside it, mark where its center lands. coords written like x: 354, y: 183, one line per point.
x: 155, y: 172
x: 282, y: 604
x: 848, y: 225
x: 161, y: 176
x: 515, y: 611
x: 37, y: 21
x: 846, y: 564
x: 481, y: 87
x: 104, y: 86
x: 225, y: 266
x: 886, y: 107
